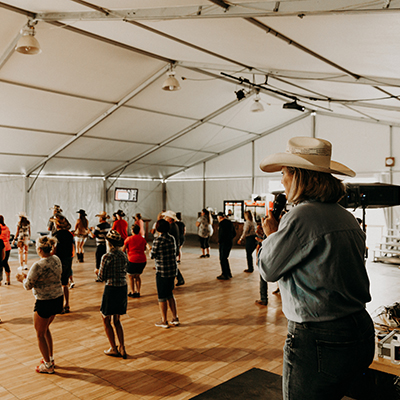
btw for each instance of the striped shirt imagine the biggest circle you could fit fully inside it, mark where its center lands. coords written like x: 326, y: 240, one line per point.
x: 164, y: 254
x: 100, y: 232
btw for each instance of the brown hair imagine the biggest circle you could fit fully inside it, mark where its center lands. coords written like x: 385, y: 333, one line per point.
x: 46, y: 244
x: 249, y: 215
x: 321, y: 186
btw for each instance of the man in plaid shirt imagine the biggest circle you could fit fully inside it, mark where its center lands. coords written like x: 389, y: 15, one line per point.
x: 164, y: 254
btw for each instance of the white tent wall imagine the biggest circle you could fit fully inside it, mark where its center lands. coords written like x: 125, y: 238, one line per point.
x: 71, y: 194
x: 187, y: 198
x: 149, y: 202
x: 12, y: 199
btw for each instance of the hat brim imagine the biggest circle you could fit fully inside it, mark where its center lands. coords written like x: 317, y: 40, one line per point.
x: 116, y: 243
x: 275, y: 162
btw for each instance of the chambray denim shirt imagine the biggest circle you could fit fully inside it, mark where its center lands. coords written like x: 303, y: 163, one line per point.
x: 317, y: 255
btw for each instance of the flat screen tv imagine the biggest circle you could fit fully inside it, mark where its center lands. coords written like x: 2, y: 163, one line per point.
x: 124, y: 194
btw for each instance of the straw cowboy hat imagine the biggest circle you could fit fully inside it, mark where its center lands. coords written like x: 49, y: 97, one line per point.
x: 22, y: 214
x: 115, y: 238
x: 56, y: 208
x: 170, y: 214
x: 103, y: 215
x: 307, y: 153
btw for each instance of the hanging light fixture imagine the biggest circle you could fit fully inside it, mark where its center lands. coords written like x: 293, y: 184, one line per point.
x: 28, y: 44
x: 171, y: 84
x: 257, y: 106
x: 293, y: 106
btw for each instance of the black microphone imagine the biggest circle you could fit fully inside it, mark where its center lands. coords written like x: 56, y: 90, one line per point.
x: 279, y: 205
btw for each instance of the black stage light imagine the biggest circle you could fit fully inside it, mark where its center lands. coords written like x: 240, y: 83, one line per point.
x: 240, y: 94
x: 294, y: 106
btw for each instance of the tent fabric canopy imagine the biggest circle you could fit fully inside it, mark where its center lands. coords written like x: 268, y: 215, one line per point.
x: 90, y: 104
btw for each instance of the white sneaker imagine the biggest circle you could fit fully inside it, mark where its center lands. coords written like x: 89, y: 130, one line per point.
x: 162, y: 324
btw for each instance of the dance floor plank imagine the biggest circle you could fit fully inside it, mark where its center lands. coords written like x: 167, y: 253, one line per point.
x: 222, y: 335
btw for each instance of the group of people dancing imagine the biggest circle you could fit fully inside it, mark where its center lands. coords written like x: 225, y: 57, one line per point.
x: 119, y: 264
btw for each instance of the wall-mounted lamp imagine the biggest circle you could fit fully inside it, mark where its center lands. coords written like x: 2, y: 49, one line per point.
x: 28, y: 44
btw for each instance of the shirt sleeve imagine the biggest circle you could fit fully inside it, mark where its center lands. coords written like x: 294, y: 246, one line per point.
x: 154, y: 249
x: 280, y: 252
x: 102, y: 275
x: 33, y: 274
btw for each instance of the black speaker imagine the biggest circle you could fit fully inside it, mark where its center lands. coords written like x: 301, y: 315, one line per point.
x: 371, y: 195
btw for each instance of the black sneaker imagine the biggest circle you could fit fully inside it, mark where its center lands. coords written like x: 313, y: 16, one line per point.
x: 223, y: 278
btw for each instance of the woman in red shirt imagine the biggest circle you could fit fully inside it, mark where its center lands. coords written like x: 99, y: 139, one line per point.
x: 135, y: 247
x: 120, y: 225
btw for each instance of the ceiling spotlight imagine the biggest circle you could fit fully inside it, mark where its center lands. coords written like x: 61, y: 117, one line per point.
x: 28, y: 44
x: 294, y: 106
x: 240, y: 94
x: 257, y: 106
x: 171, y: 84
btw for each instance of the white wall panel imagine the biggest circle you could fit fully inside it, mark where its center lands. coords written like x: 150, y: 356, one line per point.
x: 187, y: 198
x: 70, y: 194
x: 11, y: 200
x: 361, y: 146
x: 229, y: 189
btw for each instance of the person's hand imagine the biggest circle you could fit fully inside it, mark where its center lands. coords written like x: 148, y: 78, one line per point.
x: 96, y: 271
x: 269, y: 224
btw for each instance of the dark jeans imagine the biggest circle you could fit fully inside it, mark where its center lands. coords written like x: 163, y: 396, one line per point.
x: 224, y: 251
x: 263, y: 290
x: 100, y: 251
x: 251, y: 244
x: 322, y: 359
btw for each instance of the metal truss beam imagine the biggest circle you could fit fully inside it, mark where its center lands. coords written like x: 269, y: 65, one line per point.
x: 221, y: 9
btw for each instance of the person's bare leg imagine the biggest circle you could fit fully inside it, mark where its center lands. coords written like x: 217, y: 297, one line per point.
x: 43, y: 334
x: 109, y: 331
x: 137, y: 282
x: 173, y: 308
x: 131, y: 283
x: 163, y: 310
x: 66, y: 296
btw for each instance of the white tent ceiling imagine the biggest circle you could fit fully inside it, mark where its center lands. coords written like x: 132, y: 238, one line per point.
x: 91, y: 103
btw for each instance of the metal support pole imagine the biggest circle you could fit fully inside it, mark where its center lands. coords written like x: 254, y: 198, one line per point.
x: 390, y: 209
x: 164, y: 195
x: 204, y: 185
x: 313, y: 124
x: 252, y: 167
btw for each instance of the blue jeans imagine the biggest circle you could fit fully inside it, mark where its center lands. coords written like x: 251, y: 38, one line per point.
x: 322, y: 359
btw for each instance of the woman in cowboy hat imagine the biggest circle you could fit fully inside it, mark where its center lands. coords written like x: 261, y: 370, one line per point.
x: 64, y: 250
x: 81, y: 233
x: 115, y: 297
x: 316, y: 252
x: 23, y: 236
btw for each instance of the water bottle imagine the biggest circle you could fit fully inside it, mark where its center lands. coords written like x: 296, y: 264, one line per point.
x: 395, y: 350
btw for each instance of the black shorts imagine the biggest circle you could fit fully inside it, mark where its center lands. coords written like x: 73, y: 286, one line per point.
x: 66, y: 270
x: 165, y: 286
x: 48, y: 308
x: 135, y: 268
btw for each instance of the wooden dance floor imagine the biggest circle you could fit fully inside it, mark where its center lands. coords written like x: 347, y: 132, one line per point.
x: 222, y: 334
